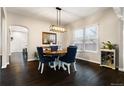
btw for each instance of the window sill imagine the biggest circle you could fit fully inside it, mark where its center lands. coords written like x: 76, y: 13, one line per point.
x: 86, y: 51
x: 79, y: 51
x: 90, y: 51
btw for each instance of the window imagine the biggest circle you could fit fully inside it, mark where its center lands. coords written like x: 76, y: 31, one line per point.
x: 91, y: 38
x: 87, y: 39
x: 78, y: 39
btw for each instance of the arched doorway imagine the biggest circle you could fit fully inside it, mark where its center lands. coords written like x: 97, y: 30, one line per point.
x: 19, y: 38
x: 18, y: 42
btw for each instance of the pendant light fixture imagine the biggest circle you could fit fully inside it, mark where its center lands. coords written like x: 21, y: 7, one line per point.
x: 58, y: 28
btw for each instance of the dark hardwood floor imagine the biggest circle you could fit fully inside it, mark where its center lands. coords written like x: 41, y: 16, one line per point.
x: 88, y: 74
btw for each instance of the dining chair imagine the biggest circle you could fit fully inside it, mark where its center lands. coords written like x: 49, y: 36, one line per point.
x: 43, y: 59
x: 54, y: 48
x: 69, y: 58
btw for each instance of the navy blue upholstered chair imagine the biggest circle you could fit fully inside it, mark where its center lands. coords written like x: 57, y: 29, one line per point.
x: 54, y: 48
x: 43, y: 59
x: 69, y: 57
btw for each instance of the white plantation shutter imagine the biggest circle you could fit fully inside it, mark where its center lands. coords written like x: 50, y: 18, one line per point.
x: 86, y: 39
x: 91, y: 38
x: 78, y: 39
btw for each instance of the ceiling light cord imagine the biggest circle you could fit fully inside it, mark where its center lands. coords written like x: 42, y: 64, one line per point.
x: 58, y: 28
x: 58, y: 16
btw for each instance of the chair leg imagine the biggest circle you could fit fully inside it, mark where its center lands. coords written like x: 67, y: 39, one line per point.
x: 60, y: 64
x: 54, y: 65
x: 68, y: 68
x: 42, y: 68
x: 39, y: 65
x: 75, y: 66
x: 49, y: 64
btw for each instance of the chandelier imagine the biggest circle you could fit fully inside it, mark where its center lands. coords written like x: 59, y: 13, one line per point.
x: 58, y: 28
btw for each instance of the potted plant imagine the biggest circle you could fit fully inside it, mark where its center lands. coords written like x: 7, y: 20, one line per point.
x: 108, y: 45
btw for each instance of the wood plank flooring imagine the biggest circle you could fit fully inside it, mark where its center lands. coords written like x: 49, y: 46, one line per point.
x: 20, y: 73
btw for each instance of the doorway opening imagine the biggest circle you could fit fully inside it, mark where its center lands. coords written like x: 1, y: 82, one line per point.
x: 18, y: 44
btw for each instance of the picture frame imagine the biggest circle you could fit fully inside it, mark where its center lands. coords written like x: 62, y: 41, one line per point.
x: 48, y: 38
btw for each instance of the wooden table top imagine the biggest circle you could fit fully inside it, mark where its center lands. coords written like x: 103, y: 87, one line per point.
x: 49, y: 52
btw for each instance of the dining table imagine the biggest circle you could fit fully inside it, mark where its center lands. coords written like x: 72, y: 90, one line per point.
x: 58, y: 53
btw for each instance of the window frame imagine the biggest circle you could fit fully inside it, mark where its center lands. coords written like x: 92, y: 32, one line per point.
x: 97, y: 38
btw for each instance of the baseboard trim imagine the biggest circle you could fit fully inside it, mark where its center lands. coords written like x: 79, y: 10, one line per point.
x: 5, y: 65
x: 88, y: 60
x: 120, y: 69
x: 92, y: 61
x: 31, y: 60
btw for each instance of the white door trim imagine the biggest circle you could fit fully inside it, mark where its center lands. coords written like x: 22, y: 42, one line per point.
x: 5, y: 56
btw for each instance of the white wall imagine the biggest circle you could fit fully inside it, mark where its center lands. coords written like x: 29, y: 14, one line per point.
x: 0, y: 41
x: 0, y: 35
x: 35, y: 26
x: 121, y: 47
x: 108, y: 30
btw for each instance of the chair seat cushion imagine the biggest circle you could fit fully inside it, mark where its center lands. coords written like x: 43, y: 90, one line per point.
x: 65, y: 59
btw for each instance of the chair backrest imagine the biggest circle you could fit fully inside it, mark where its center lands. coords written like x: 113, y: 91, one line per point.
x: 71, y: 53
x: 54, y: 48
x: 40, y: 53
x: 72, y: 46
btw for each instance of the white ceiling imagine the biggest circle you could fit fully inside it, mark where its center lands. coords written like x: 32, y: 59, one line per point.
x: 68, y: 14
